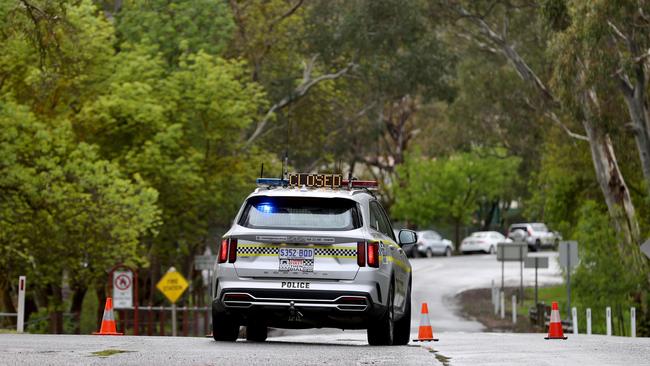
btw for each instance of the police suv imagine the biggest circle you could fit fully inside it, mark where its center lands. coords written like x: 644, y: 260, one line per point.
x: 313, y: 251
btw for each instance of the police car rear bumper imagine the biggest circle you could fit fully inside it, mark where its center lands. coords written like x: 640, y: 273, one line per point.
x: 296, y: 309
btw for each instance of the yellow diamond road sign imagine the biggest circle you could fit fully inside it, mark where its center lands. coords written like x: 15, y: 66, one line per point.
x: 172, y: 285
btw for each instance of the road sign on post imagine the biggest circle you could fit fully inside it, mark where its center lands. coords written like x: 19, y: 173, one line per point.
x: 122, y: 289
x: 568, y: 260
x: 536, y: 262
x: 513, y: 252
x: 172, y: 285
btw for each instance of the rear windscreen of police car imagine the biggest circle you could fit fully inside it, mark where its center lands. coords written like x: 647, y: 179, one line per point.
x: 300, y: 213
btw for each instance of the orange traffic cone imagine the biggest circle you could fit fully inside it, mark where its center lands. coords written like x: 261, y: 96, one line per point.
x: 555, y: 327
x: 425, y: 332
x: 108, y: 320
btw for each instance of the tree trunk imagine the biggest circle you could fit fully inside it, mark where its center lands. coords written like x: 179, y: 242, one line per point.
x: 56, y: 310
x: 457, y: 235
x: 615, y: 191
x: 76, y: 305
x: 494, y: 206
x: 101, y: 300
x: 635, y: 99
x: 6, y: 302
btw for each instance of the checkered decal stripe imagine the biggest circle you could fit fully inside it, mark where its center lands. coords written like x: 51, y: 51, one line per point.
x: 252, y: 251
x: 336, y: 252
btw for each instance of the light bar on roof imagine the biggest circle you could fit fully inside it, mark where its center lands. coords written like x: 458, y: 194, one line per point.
x: 368, y: 184
x: 271, y: 182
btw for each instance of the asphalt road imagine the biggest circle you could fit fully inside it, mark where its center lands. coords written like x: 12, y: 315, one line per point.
x: 349, y: 348
x: 436, y: 281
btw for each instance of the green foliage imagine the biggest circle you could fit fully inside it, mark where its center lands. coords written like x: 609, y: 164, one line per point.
x: 556, y: 14
x: 53, y: 54
x: 452, y: 188
x: 65, y: 211
x: 176, y: 27
x: 603, y: 277
x: 565, y: 179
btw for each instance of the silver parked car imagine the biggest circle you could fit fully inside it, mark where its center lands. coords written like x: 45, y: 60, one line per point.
x: 304, y: 254
x: 536, y: 235
x: 430, y: 243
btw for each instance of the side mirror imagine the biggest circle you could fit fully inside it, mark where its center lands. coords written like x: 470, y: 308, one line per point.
x: 407, y: 237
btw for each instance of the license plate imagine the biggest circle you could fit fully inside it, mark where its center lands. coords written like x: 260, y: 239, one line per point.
x: 296, y: 259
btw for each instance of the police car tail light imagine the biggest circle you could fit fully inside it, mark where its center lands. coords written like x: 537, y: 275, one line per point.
x: 232, y: 257
x: 373, y: 255
x: 223, y: 251
x: 361, y: 253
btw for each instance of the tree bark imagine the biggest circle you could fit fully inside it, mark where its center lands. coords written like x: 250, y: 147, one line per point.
x: 637, y: 106
x: 101, y: 302
x: 76, y: 305
x: 56, y: 310
x: 617, y: 196
x: 456, y: 235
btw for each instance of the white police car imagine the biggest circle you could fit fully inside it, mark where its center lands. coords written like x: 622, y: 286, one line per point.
x: 312, y: 251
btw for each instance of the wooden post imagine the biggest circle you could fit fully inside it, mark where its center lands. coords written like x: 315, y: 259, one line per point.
x: 186, y: 313
x: 150, y: 322
x: 196, y: 321
x: 162, y: 321
x: 206, y: 321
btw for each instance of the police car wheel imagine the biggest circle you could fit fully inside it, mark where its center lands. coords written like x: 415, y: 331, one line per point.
x: 380, y: 332
x: 256, y: 332
x: 403, y: 326
x: 224, y: 328
x: 429, y: 253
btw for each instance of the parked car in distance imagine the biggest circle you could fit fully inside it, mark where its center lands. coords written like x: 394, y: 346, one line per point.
x: 483, y: 241
x: 536, y: 235
x: 430, y: 243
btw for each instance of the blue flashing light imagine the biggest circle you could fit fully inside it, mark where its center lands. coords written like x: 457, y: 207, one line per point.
x: 273, y: 182
x: 265, y: 207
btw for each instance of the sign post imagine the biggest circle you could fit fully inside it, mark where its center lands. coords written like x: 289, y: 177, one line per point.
x: 536, y: 262
x: 172, y: 285
x: 513, y: 252
x: 568, y: 260
x: 124, y: 286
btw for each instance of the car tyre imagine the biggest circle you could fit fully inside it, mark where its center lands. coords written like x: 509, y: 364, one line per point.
x: 429, y: 253
x: 256, y: 332
x: 380, y: 332
x: 538, y: 245
x: 492, y: 250
x: 224, y: 327
x: 448, y: 252
x: 403, y: 326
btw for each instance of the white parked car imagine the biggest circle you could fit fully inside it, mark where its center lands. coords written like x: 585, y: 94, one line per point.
x: 431, y: 243
x: 483, y: 241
